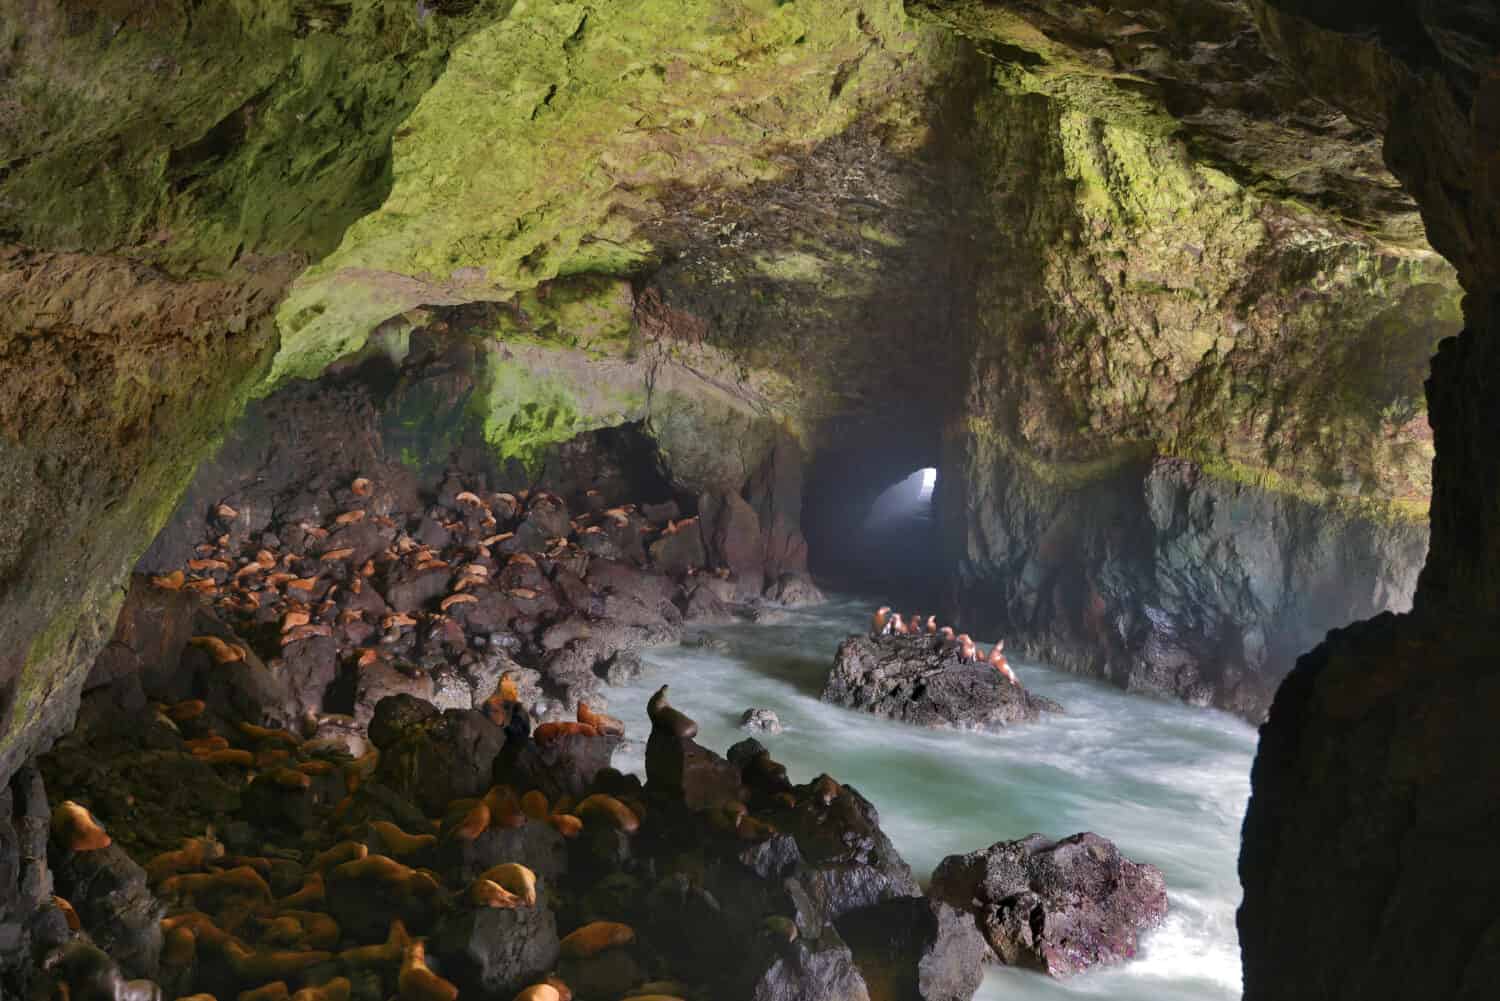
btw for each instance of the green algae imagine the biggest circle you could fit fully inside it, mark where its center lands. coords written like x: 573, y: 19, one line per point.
x: 556, y: 128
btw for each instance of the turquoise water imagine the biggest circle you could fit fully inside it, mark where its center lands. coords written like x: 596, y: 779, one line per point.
x: 1165, y: 782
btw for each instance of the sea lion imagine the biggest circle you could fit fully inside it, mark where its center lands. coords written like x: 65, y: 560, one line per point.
x: 661, y: 714
x: 998, y: 662
x: 880, y: 620
x: 897, y: 625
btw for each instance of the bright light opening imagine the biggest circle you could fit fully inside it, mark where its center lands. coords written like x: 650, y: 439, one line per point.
x: 929, y: 480
x: 911, y: 498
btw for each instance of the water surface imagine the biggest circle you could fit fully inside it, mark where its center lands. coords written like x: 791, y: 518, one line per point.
x: 1165, y: 782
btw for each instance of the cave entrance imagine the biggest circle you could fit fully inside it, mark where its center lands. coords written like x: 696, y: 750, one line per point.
x: 872, y: 516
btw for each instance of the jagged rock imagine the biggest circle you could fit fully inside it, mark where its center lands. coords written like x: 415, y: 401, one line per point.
x: 680, y: 769
x: 761, y: 720
x: 915, y: 680
x: 93, y: 975
x: 431, y: 757
x: 731, y: 530
x: 794, y: 589
x: 497, y: 951
x: 564, y: 766
x: 702, y: 604
x: 915, y: 947
x: 1059, y: 907
x: 383, y: 680
x: 677, y: 552
x: 820, y: 969
x: 109, y: 892
x: 534, y: 844
x: 311, y: 665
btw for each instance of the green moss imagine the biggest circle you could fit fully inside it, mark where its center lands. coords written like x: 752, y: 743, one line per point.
x: 555, y: 130
x: 198, y: 136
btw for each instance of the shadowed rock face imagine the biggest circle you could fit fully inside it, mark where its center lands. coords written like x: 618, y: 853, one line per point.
x: 1372, y: 790
x: 1058, y: 907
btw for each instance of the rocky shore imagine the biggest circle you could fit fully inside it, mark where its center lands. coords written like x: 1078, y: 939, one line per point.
x: 924, y: 681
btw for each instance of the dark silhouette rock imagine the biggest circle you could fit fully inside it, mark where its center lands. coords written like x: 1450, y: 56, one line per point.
x: 496, y: 951
x: 917, y: 680
x: 915, y: 947
x: 1058, y: 907
x: 109, y: 892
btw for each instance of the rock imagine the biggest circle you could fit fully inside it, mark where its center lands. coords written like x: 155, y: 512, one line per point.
x: 533, y: 844
x: 731, y: 530
x: 93, y: 975
x: 761, y: 720
x: 703, y: 605
x: 848, y: 861
x: 705, y: 641
x: 409, y: 590
x: 434, y: 758
x: 311, y: 665
x: 496, y: 952
x: 679, y: 550
x: 382, y: 680
x: 915, y: 947
x: 678, y: 768
x: 564, y: 766
x: 621, y: 668
x: 1058, y: 907
x: 109, y: 892
x: 913, y: 680
x: 794, y: 589
x: 820, y: 969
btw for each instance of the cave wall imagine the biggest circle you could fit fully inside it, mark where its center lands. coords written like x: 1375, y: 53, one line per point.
x: 1193, y: 439
x: 1372, y: 799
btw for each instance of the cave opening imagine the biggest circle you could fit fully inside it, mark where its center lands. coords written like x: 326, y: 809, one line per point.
x: 872, y: 519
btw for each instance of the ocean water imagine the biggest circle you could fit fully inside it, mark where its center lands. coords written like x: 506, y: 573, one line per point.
x: 1167, y: 783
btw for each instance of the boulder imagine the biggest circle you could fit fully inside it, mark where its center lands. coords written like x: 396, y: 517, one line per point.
x: 794, y: 589
x: 916, y: 947
x: 761, y: 721
x: 731, y: 530
x: 494, y: 951
x: 109, y: 892
x: 679, y: 550
x: 917, y: 680
x: 431, y: 757
x: 1059, y: 907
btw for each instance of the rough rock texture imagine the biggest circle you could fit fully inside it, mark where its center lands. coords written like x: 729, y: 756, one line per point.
x: 947, y: 948
x: 1371, y: 788
x: 1237, y: 333
x: 916, y: 680
x: 1059, y: 907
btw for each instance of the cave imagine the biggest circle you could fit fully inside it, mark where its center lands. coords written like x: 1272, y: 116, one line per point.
x: 829, y: 499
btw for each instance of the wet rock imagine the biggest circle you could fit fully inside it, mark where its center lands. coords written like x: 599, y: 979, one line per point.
x: 496, y: 951
x: 849, y: 862
x: 310, y: 667
x: 915, y: 680
x: 679, y: 550
x: 150, y: 636
x: 703, y: 604
x: 761, y: 720
x: 608, y: 974
x: 430, y: 757
x: 109, y: 892
x: 533, y: 844
x: 914, y: 947
x: 680, y: 769
x: 1059, y: 907
x: 621, y: 668
x: 563, y: 766
x: 794, y: 589
x: 93, y: 975
x: 731, y: 530
x: 409, y: 590
x: 383, y: 680
x: 820, y: 969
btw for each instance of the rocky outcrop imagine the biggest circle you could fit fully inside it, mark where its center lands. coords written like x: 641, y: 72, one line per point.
x: 1164, y: 578
x: 922, y: 681
x: 1369, y: 788
x: 1058, y: 907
